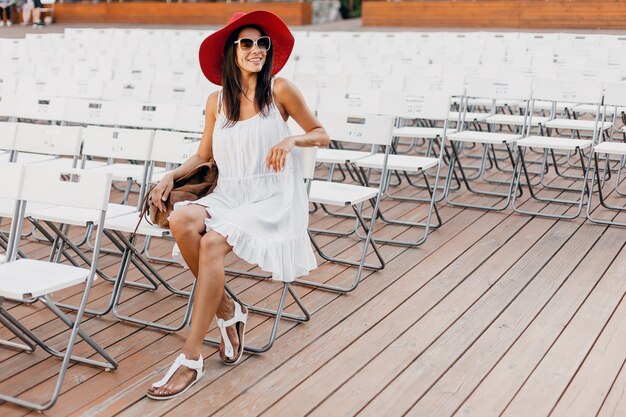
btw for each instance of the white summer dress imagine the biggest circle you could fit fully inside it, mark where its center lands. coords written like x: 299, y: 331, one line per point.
x: 263, y: 214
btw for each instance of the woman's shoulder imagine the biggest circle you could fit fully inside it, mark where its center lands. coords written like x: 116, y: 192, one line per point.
x: 211, y: 102
x: 284, y: 89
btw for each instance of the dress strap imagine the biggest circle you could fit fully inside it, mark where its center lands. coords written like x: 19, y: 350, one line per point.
x: 219, y: 102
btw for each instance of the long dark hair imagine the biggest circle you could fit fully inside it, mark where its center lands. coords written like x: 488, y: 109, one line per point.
x: 231, y: 81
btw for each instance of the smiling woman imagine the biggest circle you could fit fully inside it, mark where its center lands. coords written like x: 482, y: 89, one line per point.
x: 259, y: 209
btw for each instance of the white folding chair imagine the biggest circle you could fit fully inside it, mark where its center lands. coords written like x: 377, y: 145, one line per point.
x: 421, y: 107
x: 614, y: 97
x: 492, y: 89
x: 10, y: 189
x: 369, y: 130
x: 578, y: 92
x: 24, y: 279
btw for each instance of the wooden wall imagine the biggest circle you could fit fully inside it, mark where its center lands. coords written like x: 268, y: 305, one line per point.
x: 521, y: 14
x: 175, y: 13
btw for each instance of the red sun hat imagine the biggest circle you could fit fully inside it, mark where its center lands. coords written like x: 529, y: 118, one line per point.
x: 212, y: 48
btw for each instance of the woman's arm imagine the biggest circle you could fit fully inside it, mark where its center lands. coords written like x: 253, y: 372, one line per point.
x: 204, y: 153
x: 290, y: 100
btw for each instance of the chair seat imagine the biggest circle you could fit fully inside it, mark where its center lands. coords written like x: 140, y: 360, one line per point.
x: 156, y: 177
x: 486, y: 102
x: 339, y: 156
x: 515, y: 120
x: 339, y: 194
x: 125, y: 172
x: 408, y: 163
x: 128, y: 222
x: 590, y: 108
x: 68, y: 163
x: 469, y: 116
x: 7, y: 208
x: 614, y: 148
x: 420, y: 132
x: 79, y: 216
x: 27, y: 278
x: 576, y: 124
x: 483, y: 137
x: 547, y: 105
x: 546, y: 142
x: 33, y: 158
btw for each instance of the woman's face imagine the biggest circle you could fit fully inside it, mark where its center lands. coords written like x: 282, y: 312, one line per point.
x: 253, y: 60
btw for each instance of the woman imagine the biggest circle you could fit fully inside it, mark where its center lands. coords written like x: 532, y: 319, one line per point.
x: 259, y: 208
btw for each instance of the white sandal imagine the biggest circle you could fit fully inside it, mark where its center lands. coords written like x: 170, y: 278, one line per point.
x: 181, y: 360
x: 239, y: 320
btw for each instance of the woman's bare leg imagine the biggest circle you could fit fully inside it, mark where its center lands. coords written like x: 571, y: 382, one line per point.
x: 204, y: 253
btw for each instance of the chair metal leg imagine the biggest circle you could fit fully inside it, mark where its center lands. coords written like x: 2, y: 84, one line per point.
x: 130, y: 253
x: 595, y: 179
x: 579, y: 203
x: 277, y: 314
x: 466, y: 181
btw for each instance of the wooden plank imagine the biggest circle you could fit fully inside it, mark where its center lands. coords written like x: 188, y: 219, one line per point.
x: 553, y: 374
x: 615, y: 403
x: 292, y: 342
x: 521, y: 335
x: 406, y: 361
x: 176, y: 13
x: 587, y: 391
x: 317, y: 370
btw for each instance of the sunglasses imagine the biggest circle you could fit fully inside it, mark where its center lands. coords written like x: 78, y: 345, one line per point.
x: 263, y: 43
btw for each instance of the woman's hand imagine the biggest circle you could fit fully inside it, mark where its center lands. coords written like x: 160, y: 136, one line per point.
x: 161, y: 191
x: 278, y: 154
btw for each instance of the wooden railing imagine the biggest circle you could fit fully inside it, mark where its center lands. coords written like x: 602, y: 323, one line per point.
x: 552, y: 14
x: 214, y: 13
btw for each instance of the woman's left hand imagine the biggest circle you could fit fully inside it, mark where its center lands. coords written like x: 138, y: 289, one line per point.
x: 278, y: 154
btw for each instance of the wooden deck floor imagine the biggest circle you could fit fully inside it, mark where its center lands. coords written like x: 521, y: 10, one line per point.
x: 497, y: 314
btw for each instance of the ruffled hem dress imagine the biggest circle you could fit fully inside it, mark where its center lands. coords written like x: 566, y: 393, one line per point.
x: 263, y: 214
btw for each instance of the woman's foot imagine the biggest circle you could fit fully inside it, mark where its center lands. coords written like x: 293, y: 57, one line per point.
x: 179, y: 378
x: 233, y: 318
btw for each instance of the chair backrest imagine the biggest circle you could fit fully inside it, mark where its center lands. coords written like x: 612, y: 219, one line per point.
x: 364, y: 82
x: 368, y: 129
x: 90, y: 89
x: 189, y: 118
x: 41, y: 108
x: 11, y: 184
x: 415, y: 106
x: 67, y: 187
x: 306, y: 161
x: 7, y: 135
x: 108, y: 142
x: 177, y: 92
x: 50, y: 140
x: 453, y: 85
x: 126, y: 90
x: 587, y: 92
x: 91, y: 112
x: 615, y: 94
x: 8, y: 83
x: 342, y: 101
x: 8, y: 105
x: 174, y: 147
x: 146, y: 115
x: 499, y: 88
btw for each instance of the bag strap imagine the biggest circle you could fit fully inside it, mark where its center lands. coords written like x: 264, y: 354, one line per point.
x: 145, y: 209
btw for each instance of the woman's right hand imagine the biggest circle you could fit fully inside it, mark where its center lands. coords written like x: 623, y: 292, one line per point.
x: 161, y: 191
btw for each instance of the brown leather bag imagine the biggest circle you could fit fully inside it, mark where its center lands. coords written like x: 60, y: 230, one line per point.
x: 198, y: 182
